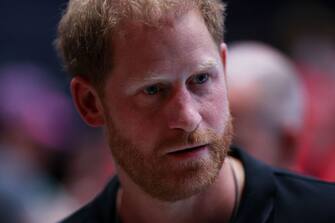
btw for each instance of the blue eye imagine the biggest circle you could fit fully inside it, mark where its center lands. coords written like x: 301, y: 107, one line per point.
x: 201, y: 78
x: 152, y: 90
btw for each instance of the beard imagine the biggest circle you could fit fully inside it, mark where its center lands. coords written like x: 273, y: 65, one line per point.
x: 164, y: 178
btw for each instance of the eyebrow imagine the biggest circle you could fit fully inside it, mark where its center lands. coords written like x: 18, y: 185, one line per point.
x: 210, y: 63
x: 153, y: 77
x: 150, y: 78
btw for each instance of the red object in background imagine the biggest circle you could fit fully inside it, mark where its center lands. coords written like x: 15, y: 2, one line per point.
x: 317, y: 152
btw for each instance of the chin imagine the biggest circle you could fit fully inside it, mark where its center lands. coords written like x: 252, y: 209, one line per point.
x: 183, y: 183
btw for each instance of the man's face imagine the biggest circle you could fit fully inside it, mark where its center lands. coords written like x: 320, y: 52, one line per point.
x: 168, y: 120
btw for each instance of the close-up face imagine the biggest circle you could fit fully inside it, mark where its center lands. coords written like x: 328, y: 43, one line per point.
x: 166, y: 107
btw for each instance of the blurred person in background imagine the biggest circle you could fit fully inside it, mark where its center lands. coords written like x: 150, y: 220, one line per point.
x: 314, y: 51
x: 50, y: 164
x: 89, y: 167
x: 267, y: 101
x: 36, y: 121
x: 308, y: 34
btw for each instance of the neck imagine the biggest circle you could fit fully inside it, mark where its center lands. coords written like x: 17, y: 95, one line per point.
x: 214, y: 204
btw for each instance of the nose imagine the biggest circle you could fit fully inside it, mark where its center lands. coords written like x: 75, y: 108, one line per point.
x: 182, y: 111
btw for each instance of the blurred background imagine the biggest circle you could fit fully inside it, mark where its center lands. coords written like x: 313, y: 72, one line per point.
x: 51, y: 163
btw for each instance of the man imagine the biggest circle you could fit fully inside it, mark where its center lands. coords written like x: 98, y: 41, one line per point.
x: 267, y: 101
x: 153, y: 74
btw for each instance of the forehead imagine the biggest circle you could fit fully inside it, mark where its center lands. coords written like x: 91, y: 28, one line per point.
x: 186, y: 31
x: 178, y: 44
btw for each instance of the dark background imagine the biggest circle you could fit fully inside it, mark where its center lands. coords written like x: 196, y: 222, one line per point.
x: 28, y: 27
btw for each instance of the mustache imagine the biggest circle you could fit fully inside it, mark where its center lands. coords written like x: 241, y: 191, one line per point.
x: 182, y: 139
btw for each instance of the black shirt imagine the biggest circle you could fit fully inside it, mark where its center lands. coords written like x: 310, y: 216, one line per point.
x: 270, y: 195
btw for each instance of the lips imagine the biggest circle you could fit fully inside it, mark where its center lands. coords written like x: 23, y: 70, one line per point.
x: 187, y: 150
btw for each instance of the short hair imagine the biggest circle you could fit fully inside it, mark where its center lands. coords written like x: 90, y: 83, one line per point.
x: 282, y: 93
x: 85, y: 32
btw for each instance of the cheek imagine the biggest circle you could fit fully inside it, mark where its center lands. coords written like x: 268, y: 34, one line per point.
x: 133, y: 124
x: 216, y: 110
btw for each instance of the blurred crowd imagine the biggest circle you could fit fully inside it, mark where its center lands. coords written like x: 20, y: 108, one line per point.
x: 50, y: 163
x: 282, y: 98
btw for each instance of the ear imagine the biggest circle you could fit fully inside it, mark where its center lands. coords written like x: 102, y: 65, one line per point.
x: 87, y: 102
x: 223, y: 54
